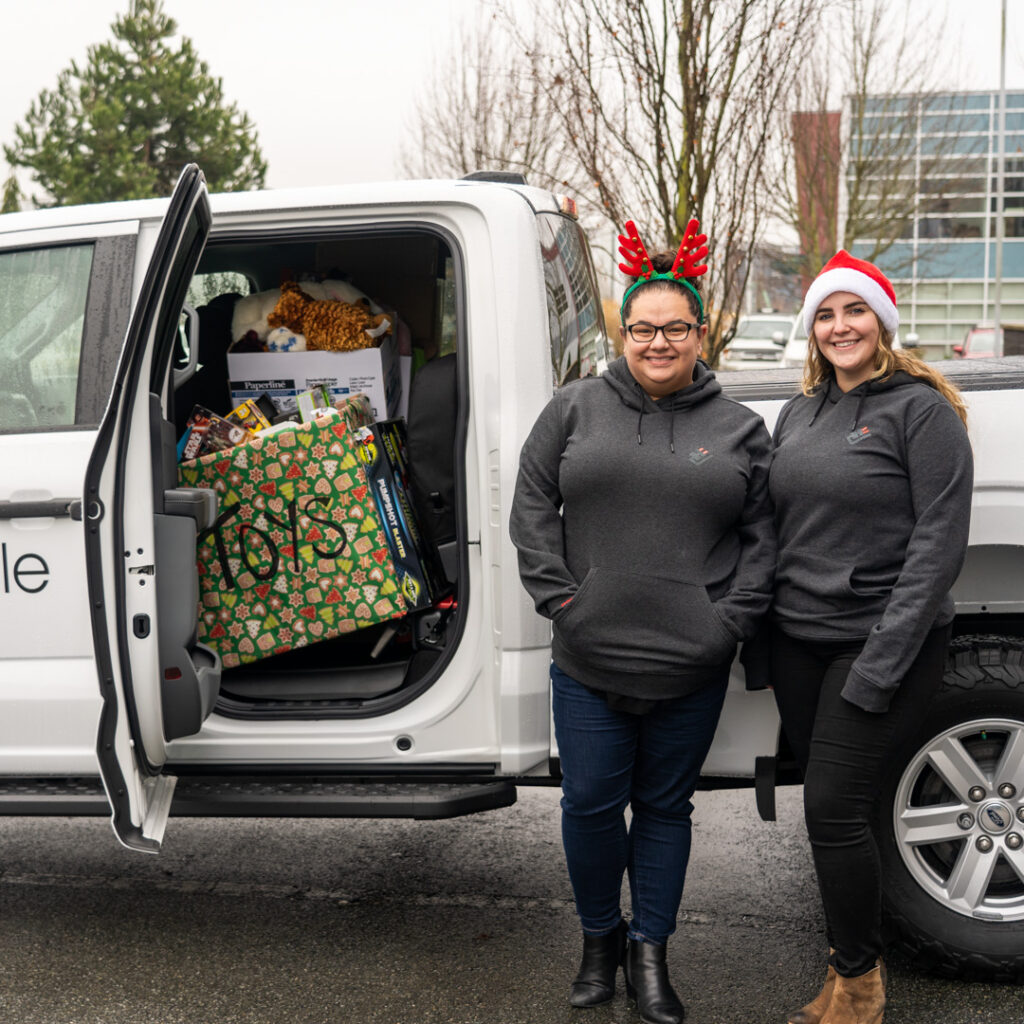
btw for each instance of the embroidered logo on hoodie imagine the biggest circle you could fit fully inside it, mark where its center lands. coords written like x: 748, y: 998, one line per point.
x: 856, y: 436
x: 699, y: 455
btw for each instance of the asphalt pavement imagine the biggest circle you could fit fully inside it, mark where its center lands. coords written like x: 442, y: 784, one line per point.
x: 468, y: 921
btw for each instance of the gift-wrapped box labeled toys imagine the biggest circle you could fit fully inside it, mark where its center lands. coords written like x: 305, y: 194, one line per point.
x: 298, y: 553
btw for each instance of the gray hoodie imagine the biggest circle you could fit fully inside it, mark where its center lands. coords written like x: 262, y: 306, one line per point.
x: 644, y: 531
x: 872, y: 491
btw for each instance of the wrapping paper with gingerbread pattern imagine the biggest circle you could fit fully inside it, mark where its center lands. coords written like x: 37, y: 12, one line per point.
x: 297, y: 554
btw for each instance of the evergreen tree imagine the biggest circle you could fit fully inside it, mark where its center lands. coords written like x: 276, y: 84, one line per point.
x: 123, y: 124
x: 10, y: 199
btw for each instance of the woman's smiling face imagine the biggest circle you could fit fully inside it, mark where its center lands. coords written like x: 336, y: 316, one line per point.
x: 661, y: 367
x: 847, y: 334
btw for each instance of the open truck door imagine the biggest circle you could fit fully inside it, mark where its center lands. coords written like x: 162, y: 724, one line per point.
x: 156, y: 682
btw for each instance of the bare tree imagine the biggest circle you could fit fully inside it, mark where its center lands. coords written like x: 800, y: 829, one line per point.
x: 650, y: 110
x: 485, y: 110
x: 666, y: 110
x: 850, y: 168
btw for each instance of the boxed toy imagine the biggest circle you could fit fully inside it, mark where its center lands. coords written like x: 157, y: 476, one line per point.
x: 382, y: 450
x: 255, y: 414
x: 285, y: 375
x: 298, y: 552
x: 206, y: 432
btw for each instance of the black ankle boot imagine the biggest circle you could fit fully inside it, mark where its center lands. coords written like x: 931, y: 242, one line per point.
x: 647, y: 982
x: 602, y: 956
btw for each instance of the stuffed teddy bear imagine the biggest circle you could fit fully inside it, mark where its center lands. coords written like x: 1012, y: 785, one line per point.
x: 251, y: 311
x: 327, y: 323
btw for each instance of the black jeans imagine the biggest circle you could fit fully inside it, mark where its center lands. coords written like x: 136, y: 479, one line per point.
x: 843, y: 751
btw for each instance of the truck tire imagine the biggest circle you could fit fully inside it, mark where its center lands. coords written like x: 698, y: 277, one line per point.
x: 950, y: 821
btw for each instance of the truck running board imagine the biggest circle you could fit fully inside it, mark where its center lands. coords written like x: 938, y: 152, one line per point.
x: 267, y: 798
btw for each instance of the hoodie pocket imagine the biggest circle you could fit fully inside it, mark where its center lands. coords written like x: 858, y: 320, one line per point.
x: 874, y: 584
x: 630, y: 620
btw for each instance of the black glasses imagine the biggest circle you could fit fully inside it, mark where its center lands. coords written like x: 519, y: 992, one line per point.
x: 677, y: 330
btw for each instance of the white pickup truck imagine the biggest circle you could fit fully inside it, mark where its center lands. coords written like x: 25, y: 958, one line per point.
x: 109, y: 705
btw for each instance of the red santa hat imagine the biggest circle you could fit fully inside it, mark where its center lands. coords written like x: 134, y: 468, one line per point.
x: 846, y: 273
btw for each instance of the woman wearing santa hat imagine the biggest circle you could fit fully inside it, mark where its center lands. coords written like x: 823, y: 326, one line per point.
x: 871, y: 480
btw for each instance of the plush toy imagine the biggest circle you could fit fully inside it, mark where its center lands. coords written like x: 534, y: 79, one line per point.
x: 340, y: 291
x: 249, y: 318
x: 281, y: 339
x: 250, y: 314
x: 327, y: 323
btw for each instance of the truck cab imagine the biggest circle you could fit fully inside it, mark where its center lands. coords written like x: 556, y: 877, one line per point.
x: 118, y: 325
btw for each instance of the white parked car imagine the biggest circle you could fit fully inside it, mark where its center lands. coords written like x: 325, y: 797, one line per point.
x: 758, y: 342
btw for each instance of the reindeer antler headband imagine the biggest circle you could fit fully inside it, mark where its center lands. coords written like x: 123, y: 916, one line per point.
x: 692, y: 249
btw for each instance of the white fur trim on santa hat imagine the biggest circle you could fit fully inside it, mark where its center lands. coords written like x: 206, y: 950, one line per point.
x: 846, y: 279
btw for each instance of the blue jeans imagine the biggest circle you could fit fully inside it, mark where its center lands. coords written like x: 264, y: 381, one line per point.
x: 650, y: 762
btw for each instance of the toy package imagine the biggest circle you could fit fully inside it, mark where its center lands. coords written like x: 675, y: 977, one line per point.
x: 382, y: 450
x: 207, y: 432
x: 312, y: 403
x: 254, y: 414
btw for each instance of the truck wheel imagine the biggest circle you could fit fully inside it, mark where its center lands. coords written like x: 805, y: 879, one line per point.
x: 950, y: 821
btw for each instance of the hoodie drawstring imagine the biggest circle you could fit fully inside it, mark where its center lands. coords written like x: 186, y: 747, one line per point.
x: 824, y: 398
x: 860, y: 405
x: 703, y: 386
x: 821, y: 405
x: 640, y: 394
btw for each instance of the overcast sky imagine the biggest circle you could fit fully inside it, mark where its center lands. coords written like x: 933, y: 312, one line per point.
x: 331, y: 84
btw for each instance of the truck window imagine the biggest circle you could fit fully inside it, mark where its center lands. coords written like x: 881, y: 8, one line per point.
x: 43, y: 295
x: 579, y: 345
x: 205, y: 287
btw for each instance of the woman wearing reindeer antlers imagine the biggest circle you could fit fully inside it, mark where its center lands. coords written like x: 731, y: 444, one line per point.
x: 645, y: 535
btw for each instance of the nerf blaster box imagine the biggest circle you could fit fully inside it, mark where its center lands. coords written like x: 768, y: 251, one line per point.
x: 382, y: 452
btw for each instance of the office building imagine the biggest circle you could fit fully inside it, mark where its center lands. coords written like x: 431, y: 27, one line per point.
x: 944, y: 262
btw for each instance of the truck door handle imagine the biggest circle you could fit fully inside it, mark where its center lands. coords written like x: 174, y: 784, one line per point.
x: 53, y: 508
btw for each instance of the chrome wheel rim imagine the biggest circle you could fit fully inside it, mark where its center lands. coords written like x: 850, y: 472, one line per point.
x: 959, y: 819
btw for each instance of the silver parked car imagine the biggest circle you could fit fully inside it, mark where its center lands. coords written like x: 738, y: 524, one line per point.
x: 758, y: 343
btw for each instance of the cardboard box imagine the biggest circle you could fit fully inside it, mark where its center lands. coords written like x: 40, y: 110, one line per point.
x: 382, y: 451
x: 285, y: 375
x: 298, y: 553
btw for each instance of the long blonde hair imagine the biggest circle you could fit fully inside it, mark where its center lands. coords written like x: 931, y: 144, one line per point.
x: 887, y: 361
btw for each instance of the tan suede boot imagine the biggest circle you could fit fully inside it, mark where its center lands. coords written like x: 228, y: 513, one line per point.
x: 857, y: 1000
x: 815, y: 1009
